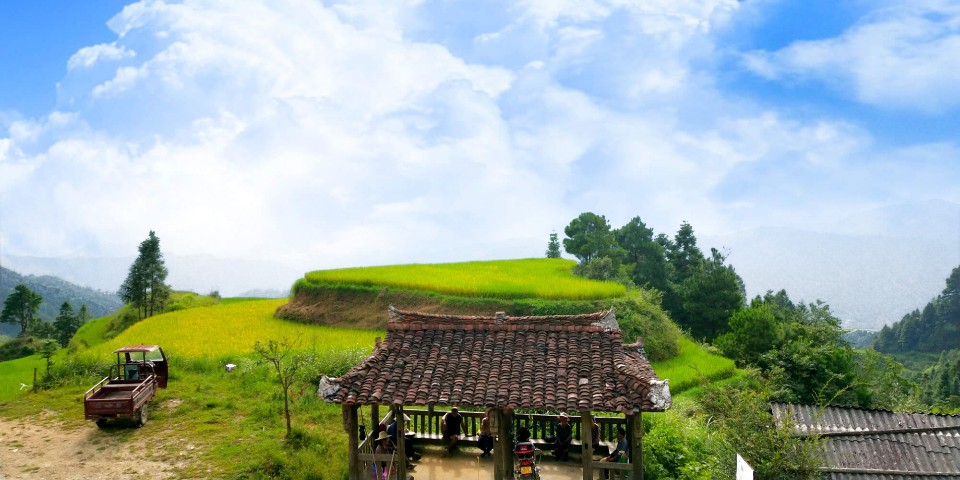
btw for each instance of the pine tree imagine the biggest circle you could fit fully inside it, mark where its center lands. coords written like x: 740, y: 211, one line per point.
x: 553, y: 246
x: 144, y: 287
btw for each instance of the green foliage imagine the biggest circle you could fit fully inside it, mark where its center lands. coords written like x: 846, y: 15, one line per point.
x: 740, y: 415
x: 21, y: 307
x: 553, y: 246
x: 547, y: 278
x: 676, y: 447
x: 934, y: 329
x: 66, y: 324
x: 708, y: 297
x: 699, y: 293
x: 644, y: 258
x: 800, y: 349
x: 145, y: 286
x: 22, y: 346
x: 589, y: 236
x: 940, y: 384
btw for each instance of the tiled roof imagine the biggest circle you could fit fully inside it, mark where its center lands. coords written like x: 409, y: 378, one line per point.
x: 558, y: 362
x: 865, y: 444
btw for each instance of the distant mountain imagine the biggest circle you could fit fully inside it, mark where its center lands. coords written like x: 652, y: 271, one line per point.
x: 197, y: 273
x: 872, y: 268
x: 55, y: 291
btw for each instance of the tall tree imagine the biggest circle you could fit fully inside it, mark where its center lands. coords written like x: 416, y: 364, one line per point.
x: 553, y: 246
x: 21, y: 307
x: 709, y: 296
x: 683, y: 253
x: 145, y: 286
x: 66, y: 324
x: 589, y: 236
x: 645, y: 257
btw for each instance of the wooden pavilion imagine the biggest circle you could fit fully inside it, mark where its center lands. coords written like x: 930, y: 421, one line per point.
x: 573, y: 363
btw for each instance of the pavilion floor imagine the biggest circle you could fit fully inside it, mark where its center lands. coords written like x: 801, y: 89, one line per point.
x: 466, y: 464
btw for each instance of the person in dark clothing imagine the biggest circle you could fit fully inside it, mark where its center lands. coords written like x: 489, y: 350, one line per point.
x: 452, y: 427
x: 408, y: 440
x: 561, y: 446
x: 620, y: 451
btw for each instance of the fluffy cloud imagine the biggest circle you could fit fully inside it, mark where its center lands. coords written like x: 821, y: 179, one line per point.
x: 356, y: 134
x: 903, y: 56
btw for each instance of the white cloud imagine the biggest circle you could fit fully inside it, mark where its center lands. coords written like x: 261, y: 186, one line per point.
x: 87, y: 57
x: 905, y: 56
x: 330, y: 137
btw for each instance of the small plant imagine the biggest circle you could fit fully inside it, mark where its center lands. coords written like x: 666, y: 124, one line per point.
x: 280, y: 355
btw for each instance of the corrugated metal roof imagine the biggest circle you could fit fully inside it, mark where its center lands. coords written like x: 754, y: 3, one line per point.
x: 876, y: 476
x: 865, y: 444
x: 832, y: 420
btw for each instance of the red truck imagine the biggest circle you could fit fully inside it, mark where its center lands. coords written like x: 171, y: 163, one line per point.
x: 130, y: 385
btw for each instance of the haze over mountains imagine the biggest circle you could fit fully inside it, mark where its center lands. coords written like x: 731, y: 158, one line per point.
x: 871, y: 268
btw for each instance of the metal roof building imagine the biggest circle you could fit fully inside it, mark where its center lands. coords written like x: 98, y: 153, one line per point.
x: 865, y: 444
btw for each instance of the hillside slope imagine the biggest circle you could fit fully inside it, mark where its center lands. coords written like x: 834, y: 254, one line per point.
x: 55, y: 291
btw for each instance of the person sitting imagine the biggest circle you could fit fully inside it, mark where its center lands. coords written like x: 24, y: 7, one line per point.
x: 451, y: 425
x: 485, y: 439
x: 382, y: 448
x: 621, y: 450
x: 409, y: 452
x: 561, y: 445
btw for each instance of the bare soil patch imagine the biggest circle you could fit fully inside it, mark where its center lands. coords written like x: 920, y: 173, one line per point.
x: 42, y: 447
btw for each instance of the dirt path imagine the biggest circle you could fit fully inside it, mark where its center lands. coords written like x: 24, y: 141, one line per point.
x: 45, y: 448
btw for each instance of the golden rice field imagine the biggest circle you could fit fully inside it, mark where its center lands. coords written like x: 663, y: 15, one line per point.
x: 231, y: 328
x: 549, y: 278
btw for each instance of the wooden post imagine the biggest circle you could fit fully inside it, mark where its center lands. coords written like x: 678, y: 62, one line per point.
x: 401, y: 454
x: 503, y: 450
x: 375, y: 420
x: 635, y: 430
x: 353, y: 445
x: 586, y: 441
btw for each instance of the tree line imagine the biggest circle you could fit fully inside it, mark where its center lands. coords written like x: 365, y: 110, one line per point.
x: 797, y: 348
x: 934, y: 329
x: 144, y: 289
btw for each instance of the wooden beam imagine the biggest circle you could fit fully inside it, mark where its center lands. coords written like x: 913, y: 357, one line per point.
x: 503, y: 449
x: 635, y: 430
x: 374, y: 419
x: 586, y: 440
x: 350, y: 424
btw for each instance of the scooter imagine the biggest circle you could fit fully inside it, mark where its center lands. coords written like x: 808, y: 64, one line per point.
x: 525, y: 459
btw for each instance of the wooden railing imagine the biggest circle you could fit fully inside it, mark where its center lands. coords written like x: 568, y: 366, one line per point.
x: 427, y: 423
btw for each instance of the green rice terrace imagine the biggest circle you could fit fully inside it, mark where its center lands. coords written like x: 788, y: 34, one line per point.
x: 214, y: 423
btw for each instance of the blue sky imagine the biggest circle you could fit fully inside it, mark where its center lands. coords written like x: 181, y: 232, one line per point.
x: 360, y: 133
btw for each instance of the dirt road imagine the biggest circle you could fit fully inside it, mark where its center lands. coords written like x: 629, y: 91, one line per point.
x: 41, y: 447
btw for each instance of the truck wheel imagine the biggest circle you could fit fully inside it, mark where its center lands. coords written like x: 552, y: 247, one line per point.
x: 101, y: 422
x: 142, y: 416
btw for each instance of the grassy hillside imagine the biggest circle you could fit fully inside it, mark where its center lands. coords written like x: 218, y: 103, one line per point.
x: 545, y: 278
x: 235, y: 419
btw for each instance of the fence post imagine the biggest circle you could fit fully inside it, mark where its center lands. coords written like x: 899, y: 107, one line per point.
x: 350, y: 425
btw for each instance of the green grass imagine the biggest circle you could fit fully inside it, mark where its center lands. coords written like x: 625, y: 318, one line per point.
x: 14, y: 373
x: 233, y: 328
x: 504, y: 279
x: 693, y: 366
